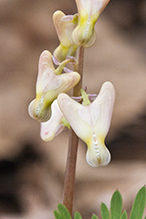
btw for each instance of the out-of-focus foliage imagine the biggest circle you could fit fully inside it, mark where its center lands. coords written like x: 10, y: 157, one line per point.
x: 115, y: 208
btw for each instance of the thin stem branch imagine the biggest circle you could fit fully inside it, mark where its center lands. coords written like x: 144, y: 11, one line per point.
x: 69, y: 182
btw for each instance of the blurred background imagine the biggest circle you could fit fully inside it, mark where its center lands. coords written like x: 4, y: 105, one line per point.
x: 32, y: 171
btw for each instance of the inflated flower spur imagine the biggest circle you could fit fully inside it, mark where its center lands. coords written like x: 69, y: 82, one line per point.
x: 91, y: 122
x: 50, y: 83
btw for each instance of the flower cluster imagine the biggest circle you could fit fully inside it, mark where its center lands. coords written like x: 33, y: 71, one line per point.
x: 52, y: 107
x: 77, y: 30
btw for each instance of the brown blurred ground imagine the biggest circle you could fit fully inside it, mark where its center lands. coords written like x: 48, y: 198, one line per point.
x: 31, y: 171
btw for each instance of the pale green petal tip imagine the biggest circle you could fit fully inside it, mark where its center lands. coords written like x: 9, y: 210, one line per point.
x: 65, y: 123
x: 84, y: 37
x: 95, y: 160
x: 60, y: 53
x: 97, y: 153
x: 85, y: 98
x: 62, y: 65
x: 84, y: 34
x: 38, y: 112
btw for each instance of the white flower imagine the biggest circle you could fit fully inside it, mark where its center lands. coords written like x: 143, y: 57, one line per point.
x: 55, y: 124
x: 91, y: 122
x: 89, y: 11
x: 50, y: 83
x: 65, y: 24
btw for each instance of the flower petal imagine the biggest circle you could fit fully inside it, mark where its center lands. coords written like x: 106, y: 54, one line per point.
x: 84, y: 34
x: 60, y: 25
x: 53, y: 126
x: 97, y: 154
x: 48, y: 86
x: 45, y: 63
x: 91, y: 6
x: 37, y: 110
x: 71, y: 109
x: 89, y: 11
x: 105, y: 100
x: 64, y: 27
x: 97, y: 115
x: 53, y: 85
x: 91, y: 122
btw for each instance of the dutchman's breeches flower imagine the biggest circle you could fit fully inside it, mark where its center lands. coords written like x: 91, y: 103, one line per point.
x: 50, y: 83
x: 91, y: 122
x: 55, y: 124
x: 65, y: 24
x: 89, y: 11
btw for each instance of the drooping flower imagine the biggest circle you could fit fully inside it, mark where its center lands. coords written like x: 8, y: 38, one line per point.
x: 91, y: 122
x: 89, y: 11
x: 65, y: 24
x: 55, y: 124
x: 50, y: 83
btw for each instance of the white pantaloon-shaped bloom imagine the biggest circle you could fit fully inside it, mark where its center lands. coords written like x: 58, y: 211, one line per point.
x: 49, y: 84
x: 91, y: 122
x: 65, y: 24
x: 54, y: 125
x: 89, y: 11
